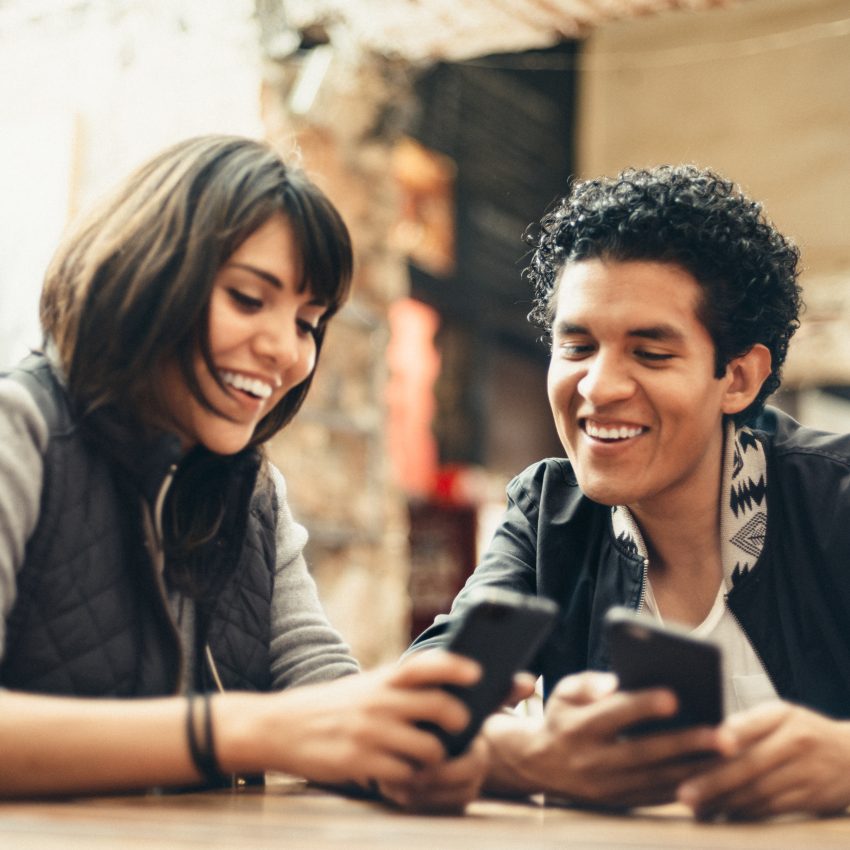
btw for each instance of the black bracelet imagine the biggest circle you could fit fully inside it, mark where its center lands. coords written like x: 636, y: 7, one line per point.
x: 203, y: 752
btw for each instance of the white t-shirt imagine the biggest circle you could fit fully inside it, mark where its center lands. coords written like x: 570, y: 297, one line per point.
x: 745, y: 681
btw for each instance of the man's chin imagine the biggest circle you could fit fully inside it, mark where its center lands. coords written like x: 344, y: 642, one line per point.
x: 605, y: 493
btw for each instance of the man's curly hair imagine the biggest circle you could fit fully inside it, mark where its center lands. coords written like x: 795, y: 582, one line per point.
x: 697, y: 220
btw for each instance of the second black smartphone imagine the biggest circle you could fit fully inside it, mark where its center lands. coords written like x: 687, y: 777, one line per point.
x: 647, y: 654
x: 502, y: 631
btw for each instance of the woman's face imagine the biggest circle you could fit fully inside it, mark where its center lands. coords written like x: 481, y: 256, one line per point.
x: 262, y: 342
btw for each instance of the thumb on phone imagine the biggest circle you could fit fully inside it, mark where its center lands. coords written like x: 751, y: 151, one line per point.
x: 522, y: 688
x: 586, y: 688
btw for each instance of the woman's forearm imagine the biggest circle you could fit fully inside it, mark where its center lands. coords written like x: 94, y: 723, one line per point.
x: 59, y: 745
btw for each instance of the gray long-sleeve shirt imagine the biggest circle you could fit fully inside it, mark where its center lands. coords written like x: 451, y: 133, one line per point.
x: 304, y: 646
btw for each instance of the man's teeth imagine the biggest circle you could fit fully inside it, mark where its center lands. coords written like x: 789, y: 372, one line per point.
x: 249, y: 385
x: 622, y: 432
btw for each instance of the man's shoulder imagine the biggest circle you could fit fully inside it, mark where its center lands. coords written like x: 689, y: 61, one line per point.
x: 551, y: 472
x: 548, y: 488
x: 785, y: 437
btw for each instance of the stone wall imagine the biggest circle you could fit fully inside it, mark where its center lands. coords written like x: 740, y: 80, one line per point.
x: 334, y: 454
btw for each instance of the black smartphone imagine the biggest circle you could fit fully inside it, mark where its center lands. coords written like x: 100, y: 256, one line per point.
x: 502, y: 631
x: 647, y: 654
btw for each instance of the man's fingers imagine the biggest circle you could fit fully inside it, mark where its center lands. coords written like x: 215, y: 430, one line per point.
x: 585, y: 688
x: 748, y: 779
x: 755, y: 724
x: 606, y: 717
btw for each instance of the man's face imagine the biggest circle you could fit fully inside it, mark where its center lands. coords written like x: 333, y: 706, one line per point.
x: 631, y: 384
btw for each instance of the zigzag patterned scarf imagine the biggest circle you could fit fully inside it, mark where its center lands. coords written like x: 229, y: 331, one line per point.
x: 743, y: 507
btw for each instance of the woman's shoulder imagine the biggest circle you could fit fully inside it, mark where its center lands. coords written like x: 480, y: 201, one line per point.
x: 290, y: 535
x: 270, y: 488
x: 22, y: 421
x: 33, y: 394
x: 23, y: 443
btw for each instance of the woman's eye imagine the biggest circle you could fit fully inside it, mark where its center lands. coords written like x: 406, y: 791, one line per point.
x: 307, y: 327
x: 244, y: 300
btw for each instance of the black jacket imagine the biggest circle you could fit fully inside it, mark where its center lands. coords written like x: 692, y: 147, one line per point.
x: 794, y: 604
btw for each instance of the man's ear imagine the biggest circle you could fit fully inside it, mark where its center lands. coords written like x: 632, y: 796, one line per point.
x: 745, y: 375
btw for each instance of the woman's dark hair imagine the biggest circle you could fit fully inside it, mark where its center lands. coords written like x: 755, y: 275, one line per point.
x: 692, y: 218
x: 130, y: 287
x: 129, y: 290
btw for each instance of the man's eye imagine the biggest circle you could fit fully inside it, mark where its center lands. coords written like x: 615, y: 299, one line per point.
x: 243, y: 300
x: 653, y: 356
x: 575, y: 350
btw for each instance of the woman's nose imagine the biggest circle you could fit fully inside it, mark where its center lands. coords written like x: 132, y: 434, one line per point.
x: 278, y: 342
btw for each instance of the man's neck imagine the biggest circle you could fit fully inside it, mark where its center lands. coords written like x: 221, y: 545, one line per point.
x: 685, y: 568
x: 682, y: 538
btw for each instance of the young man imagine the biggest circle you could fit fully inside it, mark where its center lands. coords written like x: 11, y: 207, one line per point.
x: 670, y: 301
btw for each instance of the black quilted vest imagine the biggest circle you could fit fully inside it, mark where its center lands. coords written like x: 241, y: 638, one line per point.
x: 89, y: 618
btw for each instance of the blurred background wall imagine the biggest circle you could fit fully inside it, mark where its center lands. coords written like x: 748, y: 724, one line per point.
x: 759, y: 92
x: 441, y: 130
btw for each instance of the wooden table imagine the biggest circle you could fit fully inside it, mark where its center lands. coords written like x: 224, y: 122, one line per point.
x: 292, y: 815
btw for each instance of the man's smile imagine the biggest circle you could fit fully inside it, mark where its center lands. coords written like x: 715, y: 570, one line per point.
x: 610, y: 430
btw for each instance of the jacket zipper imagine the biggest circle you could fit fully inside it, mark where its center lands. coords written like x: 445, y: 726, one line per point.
x: 644, y: 580
x: 752, y: 645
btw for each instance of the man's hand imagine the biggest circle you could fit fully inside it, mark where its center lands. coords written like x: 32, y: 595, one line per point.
x: 790, y: 759
x: 579, y: 751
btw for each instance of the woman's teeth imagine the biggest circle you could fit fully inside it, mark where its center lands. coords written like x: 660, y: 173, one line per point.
x: 254, y: 386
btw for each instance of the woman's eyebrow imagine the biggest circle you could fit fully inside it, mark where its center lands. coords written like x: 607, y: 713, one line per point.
x: 274, y: 280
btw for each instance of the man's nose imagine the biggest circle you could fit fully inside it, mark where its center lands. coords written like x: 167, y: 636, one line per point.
x: 608, y: 378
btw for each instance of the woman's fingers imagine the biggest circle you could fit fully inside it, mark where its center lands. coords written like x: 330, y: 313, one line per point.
x: 435, y: 667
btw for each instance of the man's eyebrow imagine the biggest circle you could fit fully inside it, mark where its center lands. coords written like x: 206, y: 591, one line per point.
x: 274, y: 280
x: 564, y: 328
x: 659, y: 333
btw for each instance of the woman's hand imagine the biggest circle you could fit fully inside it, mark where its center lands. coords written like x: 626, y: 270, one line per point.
x: 443, y: 787
x: 362, y: 728
x: 449, y: 785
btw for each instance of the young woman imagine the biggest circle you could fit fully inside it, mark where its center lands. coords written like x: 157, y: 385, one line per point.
x: 156, y: 613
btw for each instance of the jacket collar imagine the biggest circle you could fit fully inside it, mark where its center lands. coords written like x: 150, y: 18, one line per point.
x: 743, y: 507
